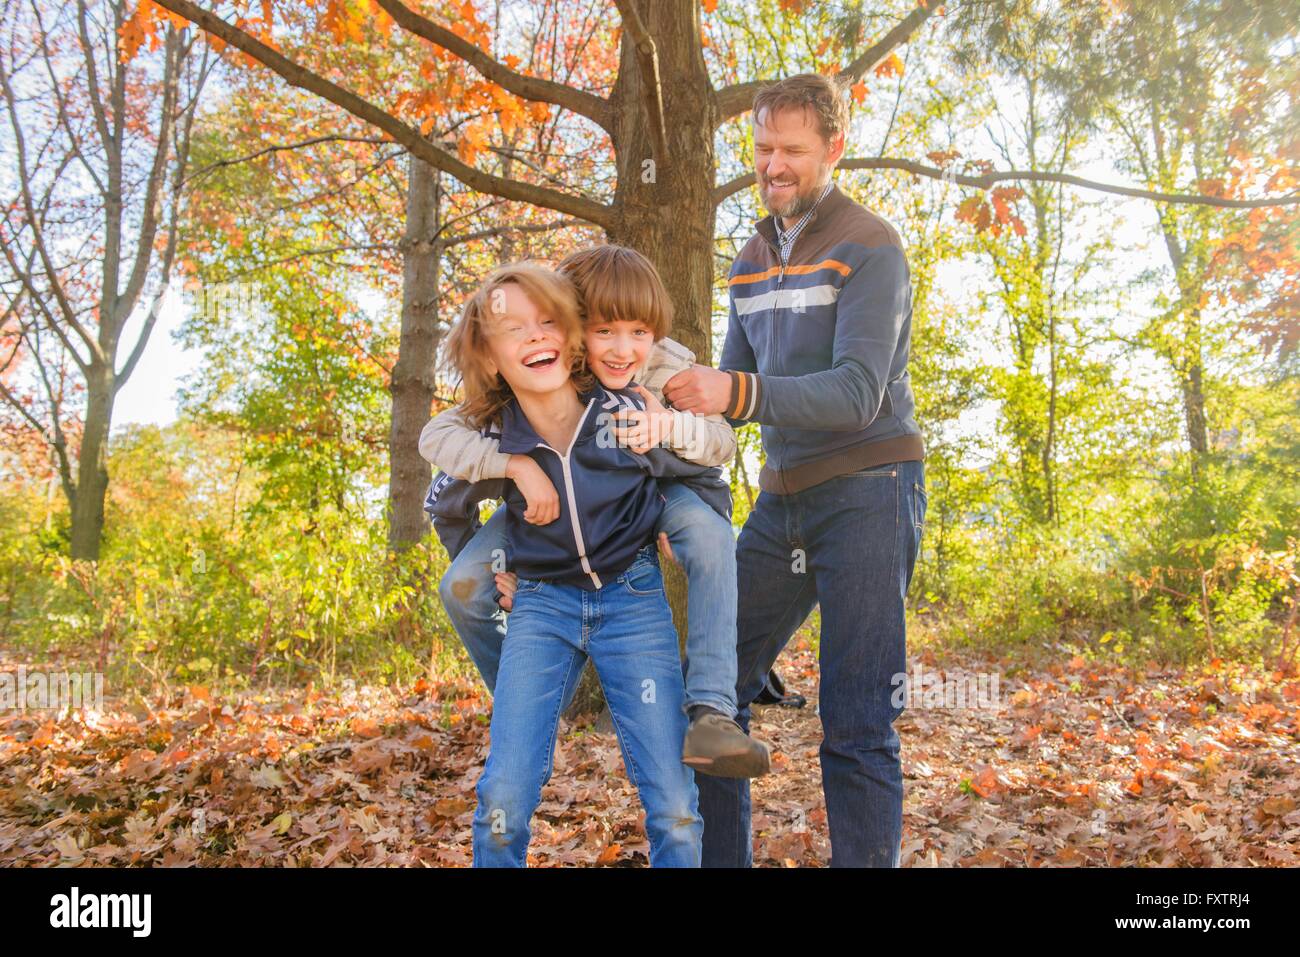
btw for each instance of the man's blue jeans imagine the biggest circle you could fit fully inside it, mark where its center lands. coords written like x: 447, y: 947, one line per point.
x: 850, y: 542
x: 702, y: 541
x: 627, y: 630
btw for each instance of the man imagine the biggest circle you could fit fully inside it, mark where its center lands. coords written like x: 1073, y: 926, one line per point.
x: 816, y: 353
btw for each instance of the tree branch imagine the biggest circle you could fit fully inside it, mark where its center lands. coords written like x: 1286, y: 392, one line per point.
x: 34, y: 224
x: 533, y: 88
x: 125, y: 303
x: 501, y: 230
x: 304, y: 79
x: 739, y: 97
x: 986, y: 180
x: 896, y: 37
x: 284, y: 147
x: 652, y: 94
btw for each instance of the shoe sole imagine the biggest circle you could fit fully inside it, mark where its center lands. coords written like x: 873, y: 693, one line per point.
x: 742, y: 764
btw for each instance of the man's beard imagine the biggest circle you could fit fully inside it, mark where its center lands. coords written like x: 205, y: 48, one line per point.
x: 801, y: 203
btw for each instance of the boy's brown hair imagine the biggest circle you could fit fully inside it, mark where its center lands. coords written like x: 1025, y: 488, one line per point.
x: 486, y: 393
x: 821, y: 94
x: 618, y: 284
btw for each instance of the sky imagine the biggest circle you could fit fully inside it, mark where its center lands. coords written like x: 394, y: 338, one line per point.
x: 149, y: 396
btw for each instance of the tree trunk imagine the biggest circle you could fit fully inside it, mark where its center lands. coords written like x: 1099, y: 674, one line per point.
x: 92, y: 465
x: 412, y: 385
x: 1194, y: 389
x: 1194, y: 412
x: 666, y: 202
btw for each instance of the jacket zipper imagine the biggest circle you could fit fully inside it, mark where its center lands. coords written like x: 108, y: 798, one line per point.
x: 572, y: 497
x: 776, y: 302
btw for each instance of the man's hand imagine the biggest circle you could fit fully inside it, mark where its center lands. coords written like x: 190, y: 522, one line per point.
x: 699, y: 389
x: 643, y: 431
x: 507, y: 582
x: 536, y: 488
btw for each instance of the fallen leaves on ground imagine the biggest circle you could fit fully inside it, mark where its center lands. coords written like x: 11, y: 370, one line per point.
x: 1081, y: 764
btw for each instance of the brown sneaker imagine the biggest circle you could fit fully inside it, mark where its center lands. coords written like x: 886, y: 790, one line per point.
x: 716, y: 745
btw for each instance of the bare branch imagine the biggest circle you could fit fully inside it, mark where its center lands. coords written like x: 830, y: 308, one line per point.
x: 92, y: 78
x: 647, y: 60
x: 987, y: 180
x: 739, y: 97
x: 896, y: 37
x: 533, y: 88
x: 501, y: 230
x: 120, y: 379
x: 125, y: 304
x: 34, y: 223
x: 283, y: 148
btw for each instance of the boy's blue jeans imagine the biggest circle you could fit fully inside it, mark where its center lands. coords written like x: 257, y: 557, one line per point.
x: 850, y: 542
x: 702, y: 541
x: 627, y: 630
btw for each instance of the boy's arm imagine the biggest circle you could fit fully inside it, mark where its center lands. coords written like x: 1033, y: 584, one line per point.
x: 705, y: 440
x: 452, y: 505
x: 451, y: 444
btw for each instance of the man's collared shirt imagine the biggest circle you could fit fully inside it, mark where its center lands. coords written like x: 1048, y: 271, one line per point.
x: 785, y: 239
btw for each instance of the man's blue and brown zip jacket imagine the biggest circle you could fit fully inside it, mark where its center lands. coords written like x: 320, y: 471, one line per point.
x: 817, y: 347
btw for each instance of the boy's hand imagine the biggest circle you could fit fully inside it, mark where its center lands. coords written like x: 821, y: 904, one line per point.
x: 536, y: 488
x: 646, y: 430
x: 507, y: 582
x: 665, y: 548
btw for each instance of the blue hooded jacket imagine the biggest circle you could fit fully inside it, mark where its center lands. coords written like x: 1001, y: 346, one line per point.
x: 609, y: 497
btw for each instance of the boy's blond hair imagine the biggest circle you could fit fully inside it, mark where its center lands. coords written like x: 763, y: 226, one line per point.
x: 486, y: 393
x: 618, y: 284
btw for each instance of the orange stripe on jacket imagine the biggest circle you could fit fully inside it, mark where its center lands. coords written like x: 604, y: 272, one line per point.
x: 835, y: 264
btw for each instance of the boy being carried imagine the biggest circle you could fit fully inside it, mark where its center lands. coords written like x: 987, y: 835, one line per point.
x: 627, y: 315
x: 589, y: 582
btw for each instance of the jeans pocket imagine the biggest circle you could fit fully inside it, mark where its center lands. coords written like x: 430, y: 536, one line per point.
x: 643, y: 578
x: 526, y: 585
x: 874, y: 471
x: 920, y: 502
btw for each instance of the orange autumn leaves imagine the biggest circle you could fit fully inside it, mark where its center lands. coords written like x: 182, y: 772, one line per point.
x: 445, y: 89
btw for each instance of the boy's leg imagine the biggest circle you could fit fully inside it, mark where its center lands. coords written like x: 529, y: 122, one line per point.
x: 778, y: 596
x: 704, y: 544
x: 634, y: 647
x: 702, y: 540
x: 467, y: 591
x: 539, y: 668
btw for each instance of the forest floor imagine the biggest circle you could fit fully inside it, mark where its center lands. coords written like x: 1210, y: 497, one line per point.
x: 1078, y: 764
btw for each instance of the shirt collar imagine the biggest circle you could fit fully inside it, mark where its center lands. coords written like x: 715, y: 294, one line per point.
x: 518, y: 437
x: 769, y: 226
x: 783, y: 234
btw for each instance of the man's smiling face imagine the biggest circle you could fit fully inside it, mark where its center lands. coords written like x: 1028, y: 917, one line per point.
x: 792, y: 160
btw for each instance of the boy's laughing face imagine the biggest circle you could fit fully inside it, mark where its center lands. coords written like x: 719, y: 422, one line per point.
x: 617, y: 350
x: 526, y: 344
